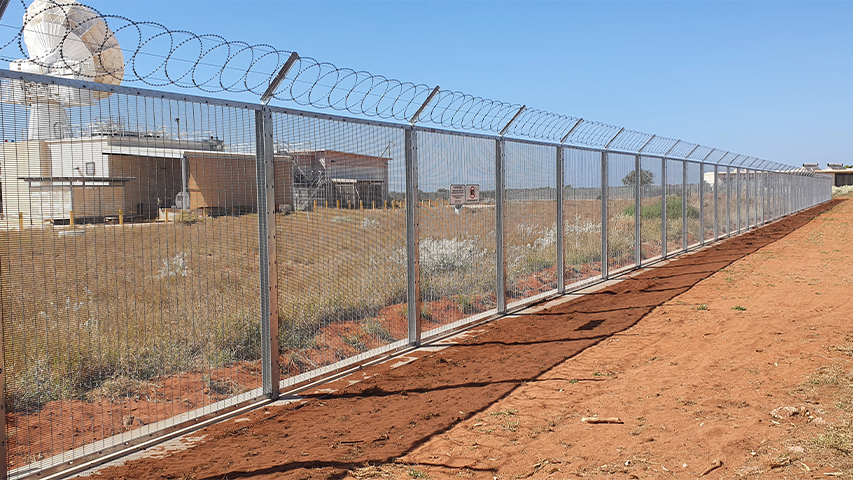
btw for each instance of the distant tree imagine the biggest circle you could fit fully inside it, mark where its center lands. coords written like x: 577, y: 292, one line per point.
x: 646, y: 178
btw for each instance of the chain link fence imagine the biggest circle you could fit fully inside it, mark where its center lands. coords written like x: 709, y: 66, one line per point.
x: 167, y: 259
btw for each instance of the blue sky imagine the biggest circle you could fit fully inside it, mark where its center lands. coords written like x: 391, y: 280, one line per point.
x: 768, y: 79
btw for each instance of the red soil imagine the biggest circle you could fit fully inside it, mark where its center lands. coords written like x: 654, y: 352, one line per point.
x: 691, y: 385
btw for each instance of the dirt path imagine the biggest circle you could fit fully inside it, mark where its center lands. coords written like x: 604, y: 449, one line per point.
x: 694, y: 382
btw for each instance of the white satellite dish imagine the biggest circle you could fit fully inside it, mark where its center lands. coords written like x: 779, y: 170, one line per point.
x: 64, y: 39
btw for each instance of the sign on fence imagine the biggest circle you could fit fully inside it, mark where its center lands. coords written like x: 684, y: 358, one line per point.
x: 464, y: 194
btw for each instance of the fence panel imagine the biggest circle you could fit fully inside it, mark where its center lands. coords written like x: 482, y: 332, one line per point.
x: 340, y: 239
x: 693, y: 208
x: 651, y: 223
x: 530, y: 228
x: 132, y: 290
x: 621, y: 207
x: 457, y: 244
x: 674, y: 185
x: 582, y: 214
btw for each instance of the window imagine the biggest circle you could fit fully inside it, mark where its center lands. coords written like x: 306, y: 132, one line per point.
x: 90, y: 169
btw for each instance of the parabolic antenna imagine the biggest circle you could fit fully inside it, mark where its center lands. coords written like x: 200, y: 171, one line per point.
x: 69, y: 40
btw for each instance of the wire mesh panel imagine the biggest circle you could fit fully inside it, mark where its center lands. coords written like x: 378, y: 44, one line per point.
x: 721, y: 182
x: 708, y: 204
x: 674, y: 206
x: 341, y: 239
x: 651, y: 220
x: 621, y: 231
x: 130, y: 267
x: 530, y: 227
x: 734, y: 198
x: 581, y: 214
x: 457, y: 242
x: 693, y: 208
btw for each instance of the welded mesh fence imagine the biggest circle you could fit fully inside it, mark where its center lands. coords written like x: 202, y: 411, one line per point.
x: 165, y: 258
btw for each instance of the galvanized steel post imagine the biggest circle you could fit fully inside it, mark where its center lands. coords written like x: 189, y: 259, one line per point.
x: 413, y: 269
x: 267, y: 253
x: 638, y: 256
x: 605, y: 251
x: 716, y: 204
x: 500, y: 261
x: 702, y: 204
x: 728, y: 201
x: 737, y: 202
x: 684, y: 185
x: 663, y: 246
x: 561, y: 254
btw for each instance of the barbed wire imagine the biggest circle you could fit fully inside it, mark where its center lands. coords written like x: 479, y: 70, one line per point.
x: 212, y: 64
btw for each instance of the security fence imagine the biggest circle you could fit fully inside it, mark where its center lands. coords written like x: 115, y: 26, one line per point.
x: 165, y: 259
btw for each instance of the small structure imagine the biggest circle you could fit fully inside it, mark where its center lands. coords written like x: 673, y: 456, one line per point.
x: 98, y: 175
x: 331, y: 177
x: 841, y: 176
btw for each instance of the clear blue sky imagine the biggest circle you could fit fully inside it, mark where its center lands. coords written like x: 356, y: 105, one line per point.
x: 768, y: 79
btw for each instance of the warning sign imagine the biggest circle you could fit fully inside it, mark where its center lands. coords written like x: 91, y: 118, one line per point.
x: 473, y: 194
x: 464, y: 194
x: 457, y: 194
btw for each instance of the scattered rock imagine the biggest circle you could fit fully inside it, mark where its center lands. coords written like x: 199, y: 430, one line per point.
x: 786, y: 412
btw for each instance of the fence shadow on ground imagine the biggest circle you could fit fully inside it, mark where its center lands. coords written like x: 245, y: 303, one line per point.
x: 392, y: 411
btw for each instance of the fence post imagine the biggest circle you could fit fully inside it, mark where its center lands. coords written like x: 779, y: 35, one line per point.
x: 638, y: 245
x: 413, y: 254
x: 716, y: 204
x: 684, y: 186
x: 561, y: 254
x: 605, y: 249
x: 500, y: 261
x: 737, y: 202
x: 728, y: 201
x: 701, y: 204
x: 267, y: 253
x: 663, y: 245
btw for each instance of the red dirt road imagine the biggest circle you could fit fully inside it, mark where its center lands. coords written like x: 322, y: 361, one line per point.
x: 691, y: 380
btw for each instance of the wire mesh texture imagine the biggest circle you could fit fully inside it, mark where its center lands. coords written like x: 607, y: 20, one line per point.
x: 142, y: 233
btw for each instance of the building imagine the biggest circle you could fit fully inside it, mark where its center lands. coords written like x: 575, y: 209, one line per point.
x: 841, y: 176
x: 109, y: 170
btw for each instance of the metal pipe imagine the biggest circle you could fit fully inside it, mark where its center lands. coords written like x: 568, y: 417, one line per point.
x: 413, y: 272
x: 638, y: 255
x: 574, y: 127
x: 646, y: 144
x: 270, y: 91
x: 614, y: 137
x: 561, y: 254
x: 512, y: 120
x: 265, y: 172
x: 500, y: 261
x: 423, y: 106
x: 605, y: 251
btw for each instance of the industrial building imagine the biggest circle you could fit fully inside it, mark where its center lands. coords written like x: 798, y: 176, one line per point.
x: 109, y: 170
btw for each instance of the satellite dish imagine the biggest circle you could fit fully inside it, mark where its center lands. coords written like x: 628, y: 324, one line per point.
x: 68, y: 40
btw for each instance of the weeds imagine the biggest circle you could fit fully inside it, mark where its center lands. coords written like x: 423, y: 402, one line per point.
x: 702, y: 306
x: 739, y: 308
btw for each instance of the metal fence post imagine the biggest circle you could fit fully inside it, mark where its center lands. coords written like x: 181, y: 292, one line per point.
x: 728, y: 201
x: 716, y: 204
x: 701, y: 204
x: 663, y: 245
x: 500, y: 261
x: 561, y: 254
x: 638, y: 245
x: 413, y: 255
x: 267, y: 253
x: 684, y: 185
x: 605, y: 249
x: 737, y: 202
